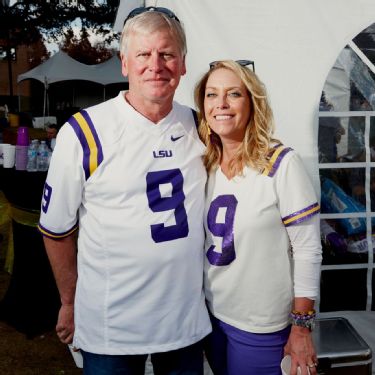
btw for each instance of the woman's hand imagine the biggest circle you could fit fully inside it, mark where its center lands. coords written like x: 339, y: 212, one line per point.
x: 301, y: 349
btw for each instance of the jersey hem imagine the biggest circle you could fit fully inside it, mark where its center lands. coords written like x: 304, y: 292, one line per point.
x: 55, y: 235
x: 143, y: 349
x: 252, y: 329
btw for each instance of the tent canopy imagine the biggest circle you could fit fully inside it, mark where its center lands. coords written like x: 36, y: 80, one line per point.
x: 294, y: 44
x: 61, y: 67
x: 124, y: 9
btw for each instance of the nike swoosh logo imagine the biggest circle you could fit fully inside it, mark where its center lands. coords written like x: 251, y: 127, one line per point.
x: 174, y: 139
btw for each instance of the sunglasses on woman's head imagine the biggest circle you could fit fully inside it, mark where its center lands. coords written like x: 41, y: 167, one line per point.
x: 240, y: 62
x: 141, y: 10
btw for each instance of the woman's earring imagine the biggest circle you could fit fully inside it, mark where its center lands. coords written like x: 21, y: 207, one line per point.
x: 208, y: 129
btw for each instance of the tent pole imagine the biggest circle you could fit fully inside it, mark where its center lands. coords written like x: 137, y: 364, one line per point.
x: 19, y: 98
x: 45, y: 98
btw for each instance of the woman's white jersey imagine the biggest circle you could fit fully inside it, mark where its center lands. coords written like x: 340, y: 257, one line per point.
x: 248, y: 266
x: 135, y: 191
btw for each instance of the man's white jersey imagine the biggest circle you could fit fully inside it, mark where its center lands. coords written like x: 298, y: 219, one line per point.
x: 135, y: 190
x: 248, y: 275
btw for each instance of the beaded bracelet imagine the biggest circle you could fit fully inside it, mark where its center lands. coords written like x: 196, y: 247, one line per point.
x: 304, y: 319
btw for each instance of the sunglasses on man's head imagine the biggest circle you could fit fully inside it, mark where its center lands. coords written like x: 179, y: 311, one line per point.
x: 240, y: 62
x: 141, y: 10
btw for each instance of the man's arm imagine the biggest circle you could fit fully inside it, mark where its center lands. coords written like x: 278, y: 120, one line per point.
x: 62, y: 255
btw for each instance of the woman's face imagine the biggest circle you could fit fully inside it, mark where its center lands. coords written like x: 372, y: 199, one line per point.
x: 227, y: 105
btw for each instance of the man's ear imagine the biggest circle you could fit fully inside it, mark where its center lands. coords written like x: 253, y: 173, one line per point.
x: 183, y: 70
x: 124, y: 66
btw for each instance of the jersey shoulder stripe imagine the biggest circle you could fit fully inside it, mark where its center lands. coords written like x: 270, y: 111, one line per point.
x: 276, y: 156
x: 56, y: 236
x: 302, y: 215
x: 88, y: 137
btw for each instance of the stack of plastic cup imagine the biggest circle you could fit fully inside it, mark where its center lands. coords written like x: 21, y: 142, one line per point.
x: 21, y: 148
x: 77, y: 356
x: 9, y: 152
x: 286, y: 364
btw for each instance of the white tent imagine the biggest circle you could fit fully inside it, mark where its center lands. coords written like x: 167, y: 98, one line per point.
x: 61, y: 67
x: 294, y: 44
x: 108, y: 72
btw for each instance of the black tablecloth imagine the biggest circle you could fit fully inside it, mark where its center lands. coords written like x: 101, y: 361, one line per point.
x: 22, y: 189
x: 31, y: 302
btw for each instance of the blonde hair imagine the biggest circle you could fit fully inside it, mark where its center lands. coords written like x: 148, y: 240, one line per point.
x: 257, y: 142
x: 150, y: 22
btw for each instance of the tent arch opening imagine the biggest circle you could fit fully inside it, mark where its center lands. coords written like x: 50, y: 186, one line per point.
x: 346, y: 144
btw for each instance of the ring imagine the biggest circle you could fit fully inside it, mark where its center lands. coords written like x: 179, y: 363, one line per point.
x: 312, y: 365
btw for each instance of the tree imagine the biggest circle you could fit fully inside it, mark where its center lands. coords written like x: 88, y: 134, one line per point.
x: 25, y: 21
x: 81, y: 49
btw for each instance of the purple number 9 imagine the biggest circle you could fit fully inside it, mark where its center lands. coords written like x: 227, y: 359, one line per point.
x: 47, y: 192
x: 157, y: 203
x: 225, y: 230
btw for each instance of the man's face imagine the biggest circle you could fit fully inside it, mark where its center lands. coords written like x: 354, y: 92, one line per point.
x: 51, y: 133
x: 154, y: 66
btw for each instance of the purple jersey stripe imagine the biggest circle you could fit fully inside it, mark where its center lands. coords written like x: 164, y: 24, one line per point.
x: 95, y: 135
x: 302, y: 215
x: 276, y: 164
x: 85, y: 146
x: 47, y: 233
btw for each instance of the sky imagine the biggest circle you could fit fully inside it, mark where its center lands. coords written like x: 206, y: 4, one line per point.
x: 53, y: 47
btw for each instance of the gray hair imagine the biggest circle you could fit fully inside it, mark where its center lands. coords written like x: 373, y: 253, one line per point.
x: 149, y: 22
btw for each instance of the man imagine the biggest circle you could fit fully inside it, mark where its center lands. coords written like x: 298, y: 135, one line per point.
x: 52, y: 130
x: 131, y: 167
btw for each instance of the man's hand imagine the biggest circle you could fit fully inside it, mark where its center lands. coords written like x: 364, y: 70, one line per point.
x: 62, y: 255
x: 65, y: 324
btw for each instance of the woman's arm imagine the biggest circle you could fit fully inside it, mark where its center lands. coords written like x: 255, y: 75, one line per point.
x: 306, y: 256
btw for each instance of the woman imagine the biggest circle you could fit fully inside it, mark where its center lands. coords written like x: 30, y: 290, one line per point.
x: 263, y: 249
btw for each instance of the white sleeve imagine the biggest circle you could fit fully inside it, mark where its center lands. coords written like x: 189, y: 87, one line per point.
x: 296, y: 195
x: 299, y: 210
x: 63, y: 188
x: 306, y: 256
